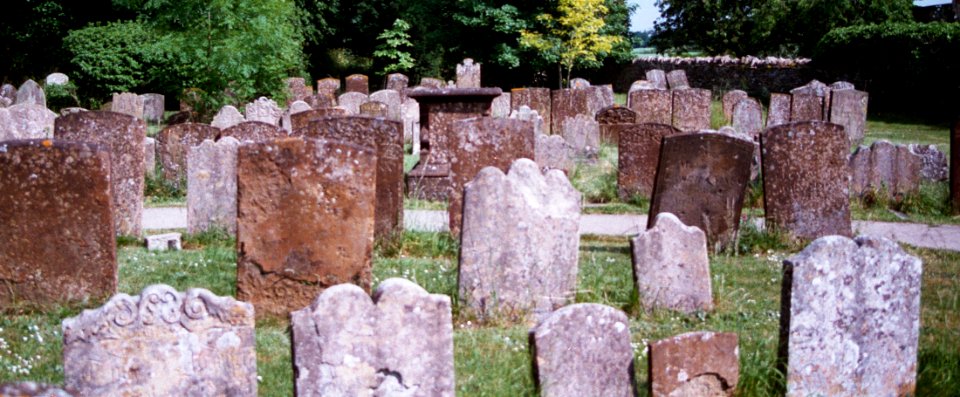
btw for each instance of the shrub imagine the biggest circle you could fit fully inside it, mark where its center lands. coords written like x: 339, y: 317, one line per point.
x: 109, y: 58
x: 61, y: 96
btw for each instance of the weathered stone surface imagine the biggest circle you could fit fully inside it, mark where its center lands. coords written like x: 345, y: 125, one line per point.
x: 695, y: 364
x: 730, y: 100
x: 671, y: 268
x: 227, y: 117
x: 255, y: 131
x: 152, y: 107
x: 127, y: 103
x: 885, y: 168
x: 652, y: 106
x: 58, y: 234
x: 358, y: 83
x: 691, y: 109
x: 805, y: 107
x: 524, y: 113
x: 850, y: 318
x: 819, y: 90
x: 71, y: 110
x: 584, y: 350
x: 122, y: 135
x: 328, y: 87
x: 935, y: 166
x: 582, y: 133
x: 955, y: 166
x: 657, y: 78
x: 842, y: 85
x: 518, y: 252
x: 149, y: 156
x: 295, y: 107
x: 162, y: 343
x: 212, y: 186
x: 677, y: 80
x: 27, y: 121
x: 849, y: 109
x: 32, y: 389
x: 8, y: 91
x: 430, y: 82
x: 264, y: 110
x: 57, y: 79
x: 701, y: 178
x: 297, y: 90
x: 468, y: 74
x: 392, y: 99
x: 398, y: 344
x: 305, y: 220
x: 779, y: 111
x: 640, y: 85
x: 484, y: 142
x: 638, y: 156
x: 579, y: 83
x: 300, y: 120
x: 351, y: 101
x: 806, y: 179
x: 410, y: 116
x: 569, y: 103
x: 747, y: 118
x: 31, y: 93
x: 500, y: 107
x: 537, y: 99
x: 384, y: 137
x: 397, y: 81
x: 163, y: 242
x: 373, y: 109
x: 552, y: 152
x: 175, y: 143
x: 615, y: 114
x: 5, y: 102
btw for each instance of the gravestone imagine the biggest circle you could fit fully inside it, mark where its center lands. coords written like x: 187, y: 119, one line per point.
x: 500, y: 107
x: 122, y: 135
x: 779, y: 111
x: 935, y: 166
x: 657, y: 78
x: 299, y: 121
x: 358, y: 83
x: 805, y: 107
x: 582, y: 133
x: 806, y: 179
x: 58, y: 234
x: 537, y: 99
x: 254, y: 131
x: 175, y: 143
x: 885, y: 168
x: 392, y: 99
x: 295, y: 107
x: 162, y: 343
x: 524, y: 113
x: 614, y: 115
x: 484, y: 142
x: 57, y: 79
x: 579, y: 83
x: 410, y: 116
x: 730, y: 100
x: 297, y: 90
x: 518, y: 251
x: 164, y: 242
x: 227, y: 117
x: 31, y: 93
x: 819, y: 90
x: 652, y: 106
x: 695, y: 364
x: 264, y: 110
x: 71, y: 110
x: 569, y: 103
x: 638, y: 156
x: 212, y: 186
x: 747, y: 118
x: 384, y: 137
x: 468, y: 74
x: 553, y: 152
x: 691, y: 109
x: 328, y: 87
x: 955, y: 166
x: 29, y: 121
x: 671, y: 267
x: 430, y: 82
x: 150, y: 157
x: 400, y: 343
x: 9, y: 92
x: 584, y: 350
x: 849, y: 109
x: 841, y: 85
x: 701, y: 179
x: 127, y: 103
x: 153, y: 107
x: 373, y: 109
x: 351, y: 101
x: 305, y: 220
x: 850, y: 318
x: 677, y: 80
x: 397, y: 81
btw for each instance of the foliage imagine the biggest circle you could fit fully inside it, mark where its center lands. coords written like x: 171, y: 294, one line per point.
x: 109, y: 58
x: 393, y: 50
x: 61, y: 96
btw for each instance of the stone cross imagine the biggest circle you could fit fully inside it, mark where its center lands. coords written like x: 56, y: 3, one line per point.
x: 671, y: 267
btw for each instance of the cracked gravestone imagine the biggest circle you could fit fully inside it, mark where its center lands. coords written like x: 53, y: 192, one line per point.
x: 212, y: 186
x: 671, y: 267
x: 695, y: 364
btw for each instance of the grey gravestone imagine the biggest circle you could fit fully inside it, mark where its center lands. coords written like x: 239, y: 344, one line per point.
x: 212, y: 186
x: 162, y: 343
x: 351, y: 101
x: 582, y: 132
x: 657, y: 78
x: 849, y: 109
x: 695, y: 364
x: 671, y: 267
x: 357, y: 83
x: 779, y: 111
x: 584, y: 350
x: 373, y: 109
x: 747, y: 118
x: 638, y: 155
x: 400, y: 343
x: 652, y: 106
x: 850, y: 318
x: 519, y: 243
x: 263, y: 110
x: 57, y: 79
x: 30, y: 92
x: 392, y: 99
x: 579, y: 83
x: 500, y: 107
x: 691, y: 109
x: 127, y: 103
x: 677, y: 80
x: 149, y: 156
x: 935, y: 166
x: 887, y: 168
x: 730, y: 100
x: 397, y: 81
x: 227, y: 117
x: 468, y: 74
x: 153, y: 107
x: 553, y: 152
x: 28, y: 121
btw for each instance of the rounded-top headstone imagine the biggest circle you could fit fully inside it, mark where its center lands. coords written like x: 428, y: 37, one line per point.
x: 57, y: 79
x: 30, y: 92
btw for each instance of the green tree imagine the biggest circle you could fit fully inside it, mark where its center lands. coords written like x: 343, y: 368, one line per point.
x: 393, y: 50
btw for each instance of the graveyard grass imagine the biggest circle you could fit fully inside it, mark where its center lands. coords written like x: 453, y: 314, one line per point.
x: 494, y: 359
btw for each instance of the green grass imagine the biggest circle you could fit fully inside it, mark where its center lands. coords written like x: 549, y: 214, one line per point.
x: 597, y: 180
x: 929, y: 205
x: 900, y: 129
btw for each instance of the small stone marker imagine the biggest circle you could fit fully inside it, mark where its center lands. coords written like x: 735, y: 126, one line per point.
x: 518, y: 253
x: 392, y: 99
x: 639, y: 154
x: 128, y: 103
x: 149, y: 156
x: 695, y: 364
x: 779, y: 111
x: 537, y: 99
x: 730, y: 100
x: 806, y: 179
x: 671, y: 268
x: 582, y: 133
x: 31, y: 93
x: 255, y: 131
x: 851, y: 318
x: 122, y: 135
x: 584, y: 350
x: 162, y: 343
x: 885, y: 167
x: 212, y: 186
x: 263, y: 110
x: 691, y: 109
x: 58, y: 234
x: 677, y: 80
x: 468, y: 74
x: 32, y: 389
x: 153, y: 107
x: 351, y: 101
x: 657, y: 78
x: 358, y: 83
x: 398, y: 344
x: 57, y: 79
x: 500, y: 107
x: 175, y: 143
x: 397, y: 81
x: 29, y: 121
x: 305, y: 220
x: 614, y: 115
x: 747, y: 118
x: 227, y: 117
x: 164, y: 242
x: 849, y: 109
x: 652, y: 106
x: 552, y: 152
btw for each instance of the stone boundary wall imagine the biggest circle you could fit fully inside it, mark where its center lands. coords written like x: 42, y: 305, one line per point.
x: 757, y: 76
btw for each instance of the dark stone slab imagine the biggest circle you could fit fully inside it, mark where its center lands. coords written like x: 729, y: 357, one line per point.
x: 174, y: 143
x: 614, y: 115
x: 639, y: 154
x: 537, y: 99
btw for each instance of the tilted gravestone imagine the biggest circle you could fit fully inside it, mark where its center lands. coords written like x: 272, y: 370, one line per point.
x: 162, y: 343
x: 885, y: 168
x: 730, y: 100
x: 212, y: 186
x: 652, y: 106
x: 357, y: 83
x: 264, y: 110
x: 58, y: 234
x: 537, y: 99
x: 701, y: 178
x: 122, y: 135
x: 553, y: 152
x: 671, y: 267
x: 31, y: 93
x: 850, y: 318
x: 305, y: 220
x: 677, y: 80
x: 351, y: 101
x: 657, y: 78
x: 254, y: 131
x: 518, y: 252
x: 849, y: 109
x: 397, y: 81
x: 468, y: 74
x: 392, y: 99
x: 175, y: 142
x: 695, y: 364
x: 153, y: 107
x: 227, y: 117
x: 614, y: 115
x: 127, y: 103
x: 400, y: 343
x: 691, y: 109
x: 299, y: 121
x: 584, y: 350
x: 582, y: 133
x: 638, y: 156
x: 806, y: 179
x: 779, y: 110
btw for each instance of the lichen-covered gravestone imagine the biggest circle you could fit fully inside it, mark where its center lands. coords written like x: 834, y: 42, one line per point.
x: 162, y: 343
x: 584, y: 350
x: 227, y: 117
x: 152, y: 107
x: 611, y: 116
x: 537, y: 99
x: 500, y: 107
x: 127, y: 103
x: 570, y: 103
x: 254, y: 131
x: 779, y: 110
x: 351, y: 101
x: 955, y: 166
x: 358, y: 83
x: 639, y: 154
x: 398, y: 344
x: 671, y: 267
x: 677, y: 80
x: 806, y: 179
x: 691, y: 109
x: 212, y: 186
x: 553, y: 152
x: 58, y: 234
x: 264, y: 110
x: 731, y: 99
x: 122, y: 135
x: 28, y: 121
x: 305, y: 220
x: 468, y: 74
x: 392, y: 99
x: 935, y: 166
x: 518, y: 252
x: 31, y: 93
x: 849, y: 108
x: 582, y: 132
x: 175, y: 143
x: 652, y: 106
x: 328, y: 87
x: 850, y: 318
x: 885, y: 168
x: 695, y: 364
x: 747, y: 118
x: 805, y: 107
x: 657, y: 78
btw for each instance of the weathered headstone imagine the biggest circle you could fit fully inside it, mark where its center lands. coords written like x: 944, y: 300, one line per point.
x: 524, y: 113
x: 149, y: 156
x: 652, y: 106
x: 819, y: 90
x: 57, y: 79
x: 30, y: 92
x: 373, y: 109
x: 328, y: 86
x: 584, y: 350
x: 747, y: 118
x: 58, y: 234
x: 398, y: 344
x: 153, y: 107
x: 579, y: 83
x: 730, y: 100
x: 8, y: 91
x: 614, y: 115
x: 295, y: 107
x: 569, y: 103
x: 162, y: 343
x: 695, y: 364
x: 691, y: 109
x: 638, y: 156
x: 392, y: 99
x: 671, y: 268
x: 806, y: 179
x: 255, y: 131
x: 430, y: 82
x: 175, y: 142
x: 537, y: 99
x: 582, y: 132
x: 677, y: 80
x: 29, y: 121
x: 552, y: 152
x: 127, y: 103
x: 805, y: 107
x: 779, y: 111
x: 935, y: 166
x: 468, y: 74
x: 357, y: 83
x: 518, y: 252
x: 351, y: 101
x: 297, y: 90
x: 657, y: 78
x: 884, y: 167
x: 397, y: 81
x: 849, y: 109
x: 500, y: 107
x: 410, y: 116
x: 701, y: 179
x: 122, y: 135
x: 264, y: 110
x: 850, y: 318
x: 212, y: 186
x: 227, y: 117
x: 299, y: 121
x: 305, y: 220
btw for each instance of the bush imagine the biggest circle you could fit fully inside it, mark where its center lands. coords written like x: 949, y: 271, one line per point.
x: 109, y: 58
x: 61, y: 96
